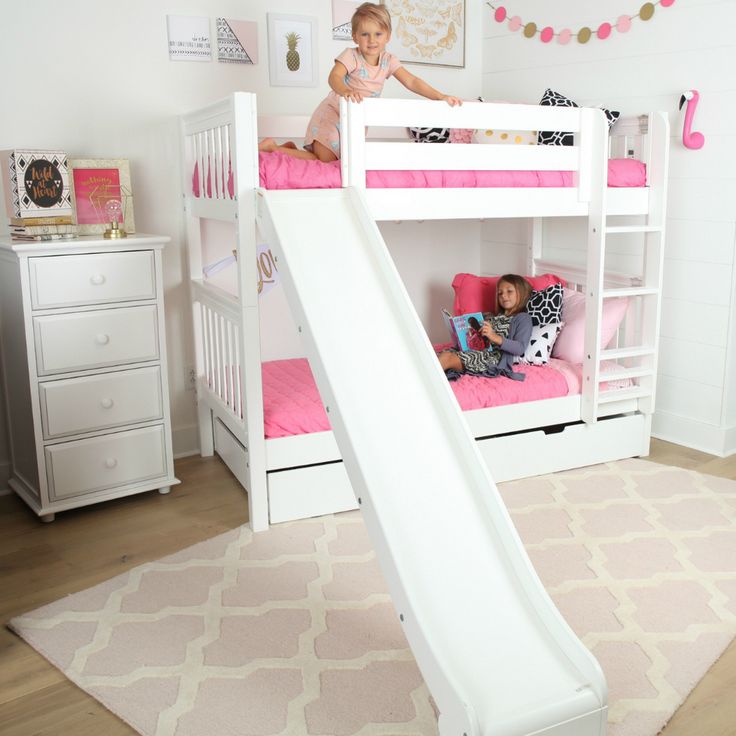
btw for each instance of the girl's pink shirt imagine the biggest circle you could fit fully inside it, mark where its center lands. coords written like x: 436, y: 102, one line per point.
x: 362, y: 76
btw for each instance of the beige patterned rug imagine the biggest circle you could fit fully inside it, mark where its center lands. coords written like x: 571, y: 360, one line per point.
x: 291, y: 631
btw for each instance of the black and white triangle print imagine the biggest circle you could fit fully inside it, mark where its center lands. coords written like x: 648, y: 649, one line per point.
x: 229, y: 48
x: 550, y: 98
x: 540, y: 345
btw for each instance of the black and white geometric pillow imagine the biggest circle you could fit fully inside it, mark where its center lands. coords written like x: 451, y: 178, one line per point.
x: 430, y: 135
x: 560, y: 138
x: 545, y: 307
x: 540, y: 344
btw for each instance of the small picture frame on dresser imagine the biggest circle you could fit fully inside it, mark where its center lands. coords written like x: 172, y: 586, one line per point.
x: 101, y: 194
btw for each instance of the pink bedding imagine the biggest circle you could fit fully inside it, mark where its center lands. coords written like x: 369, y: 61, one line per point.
x: 292, y: 404
x: 279, y: 171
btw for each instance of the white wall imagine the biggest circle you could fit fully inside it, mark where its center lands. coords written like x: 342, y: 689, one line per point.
x: 95, y: 80
x: 689, y: 45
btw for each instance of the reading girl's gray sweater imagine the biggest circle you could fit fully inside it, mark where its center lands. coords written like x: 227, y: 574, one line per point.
x: 520, y: 332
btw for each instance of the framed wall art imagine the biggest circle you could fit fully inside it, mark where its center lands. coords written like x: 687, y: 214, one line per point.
x: 237, y: 41
x: 189, y: 38
x: 292, y: 50
x: 101, y: 193
x: 428, y: 31
x: 342, y: 14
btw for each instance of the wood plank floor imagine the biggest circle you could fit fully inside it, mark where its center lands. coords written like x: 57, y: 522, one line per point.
x: 40, y: 563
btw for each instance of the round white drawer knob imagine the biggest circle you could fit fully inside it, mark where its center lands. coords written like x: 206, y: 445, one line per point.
x: 111, y: 462
x: 107, y: 403
x: 102, y: 339
x: 97, y: 279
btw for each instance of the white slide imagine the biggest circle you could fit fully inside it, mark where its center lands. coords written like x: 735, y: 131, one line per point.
x: 497, y: 656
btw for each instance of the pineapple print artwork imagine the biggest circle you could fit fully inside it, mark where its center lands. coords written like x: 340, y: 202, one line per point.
x: 293, y: 62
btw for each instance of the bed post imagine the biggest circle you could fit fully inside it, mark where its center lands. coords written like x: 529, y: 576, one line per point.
x: 535, y: 249
x: 245, y: 167
x: 593, y: 185
x: 352, y: 141
x: 654, y: 238
x: 193, y: 226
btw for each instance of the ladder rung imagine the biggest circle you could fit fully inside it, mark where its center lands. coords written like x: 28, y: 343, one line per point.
x: 623, y: 373
x: 630, y: 291
x: 622, y: 394
x: 618, y: 353
x: 616, y: 229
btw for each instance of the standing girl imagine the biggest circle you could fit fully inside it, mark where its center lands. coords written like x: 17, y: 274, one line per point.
x: 358, y: 72
x: 508, y: 333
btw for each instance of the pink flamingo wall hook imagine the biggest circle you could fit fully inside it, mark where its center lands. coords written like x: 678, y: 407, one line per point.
x: 690, y: 139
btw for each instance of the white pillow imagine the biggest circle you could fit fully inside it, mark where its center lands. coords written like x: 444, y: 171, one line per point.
x: 540, y: 344
x: 506, y: 137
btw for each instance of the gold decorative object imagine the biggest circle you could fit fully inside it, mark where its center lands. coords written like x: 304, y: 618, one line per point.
x: 114, y: 212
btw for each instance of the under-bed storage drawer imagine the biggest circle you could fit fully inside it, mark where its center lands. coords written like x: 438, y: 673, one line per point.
x: 232, y: 452
x: 89, y: 403
x: 526, y: 454
x: 108, y: 461
x: 92, y: 278
x: 310, y: 491
x: 81, y: 340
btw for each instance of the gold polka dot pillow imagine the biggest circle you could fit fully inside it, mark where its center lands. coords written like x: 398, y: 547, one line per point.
x: 506, y: 137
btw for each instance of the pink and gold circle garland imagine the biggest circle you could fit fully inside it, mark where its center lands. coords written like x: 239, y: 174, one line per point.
x: 584, y: 34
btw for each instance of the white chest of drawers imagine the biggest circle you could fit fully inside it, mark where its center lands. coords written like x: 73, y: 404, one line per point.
x: 84, y: 366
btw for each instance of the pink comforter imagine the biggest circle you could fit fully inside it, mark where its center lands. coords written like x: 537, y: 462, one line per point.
x: 292, y: 404
x: 279, y: 171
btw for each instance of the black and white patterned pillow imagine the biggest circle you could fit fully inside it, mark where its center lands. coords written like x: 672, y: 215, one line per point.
x: 560, y: 138
x: 545, y: 306
x: 540, y: 344
x: 430, y: 135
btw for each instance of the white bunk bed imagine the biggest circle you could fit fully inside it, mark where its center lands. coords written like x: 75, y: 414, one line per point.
x: 302, y: 475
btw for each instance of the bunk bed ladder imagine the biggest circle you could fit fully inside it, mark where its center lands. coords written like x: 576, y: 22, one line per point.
x: 637, y: 358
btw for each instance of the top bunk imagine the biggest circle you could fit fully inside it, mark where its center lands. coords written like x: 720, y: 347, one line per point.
x: 616, y: 173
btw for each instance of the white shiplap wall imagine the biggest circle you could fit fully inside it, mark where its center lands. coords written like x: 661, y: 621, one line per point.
x: 689, y: 45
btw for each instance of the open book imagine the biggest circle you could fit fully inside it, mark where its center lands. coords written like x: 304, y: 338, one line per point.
x: 465, y: 330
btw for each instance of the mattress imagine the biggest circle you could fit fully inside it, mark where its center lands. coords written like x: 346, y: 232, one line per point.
x: 279, y: 171
x: 292, y: 404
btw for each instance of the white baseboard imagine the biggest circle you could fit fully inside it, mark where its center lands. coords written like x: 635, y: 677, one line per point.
x: 730, y: 441
x: 185, y: 440
x: 714, y: 440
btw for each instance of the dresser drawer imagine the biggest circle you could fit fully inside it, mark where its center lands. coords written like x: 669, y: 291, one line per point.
x: 67, y: 342
x: 93, y: 278
x: 76, y: 405
x: 100, y: 463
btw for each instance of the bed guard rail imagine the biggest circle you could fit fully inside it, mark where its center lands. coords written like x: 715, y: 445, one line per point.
x: 361, y: 154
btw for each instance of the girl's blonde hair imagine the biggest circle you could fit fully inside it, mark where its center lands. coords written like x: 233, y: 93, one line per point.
x: 523, y: 289
x: 372, y: 11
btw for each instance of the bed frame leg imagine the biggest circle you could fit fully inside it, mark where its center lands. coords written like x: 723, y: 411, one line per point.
x: 206, y: 430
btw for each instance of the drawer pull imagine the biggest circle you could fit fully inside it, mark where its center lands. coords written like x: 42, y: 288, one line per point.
x: 102, y: 339
x: 107, y: 403
x: 111, y: 462
x: 97, y: 279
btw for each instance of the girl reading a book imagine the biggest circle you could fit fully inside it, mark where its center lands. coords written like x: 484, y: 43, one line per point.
x: 507, y: 334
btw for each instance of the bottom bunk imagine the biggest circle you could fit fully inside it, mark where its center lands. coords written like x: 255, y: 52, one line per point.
x: 523, y: 428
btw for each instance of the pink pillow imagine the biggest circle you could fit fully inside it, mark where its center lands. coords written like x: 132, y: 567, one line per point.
x: 478, y: 293
x: 626, y: 172
x: 569, y: 344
